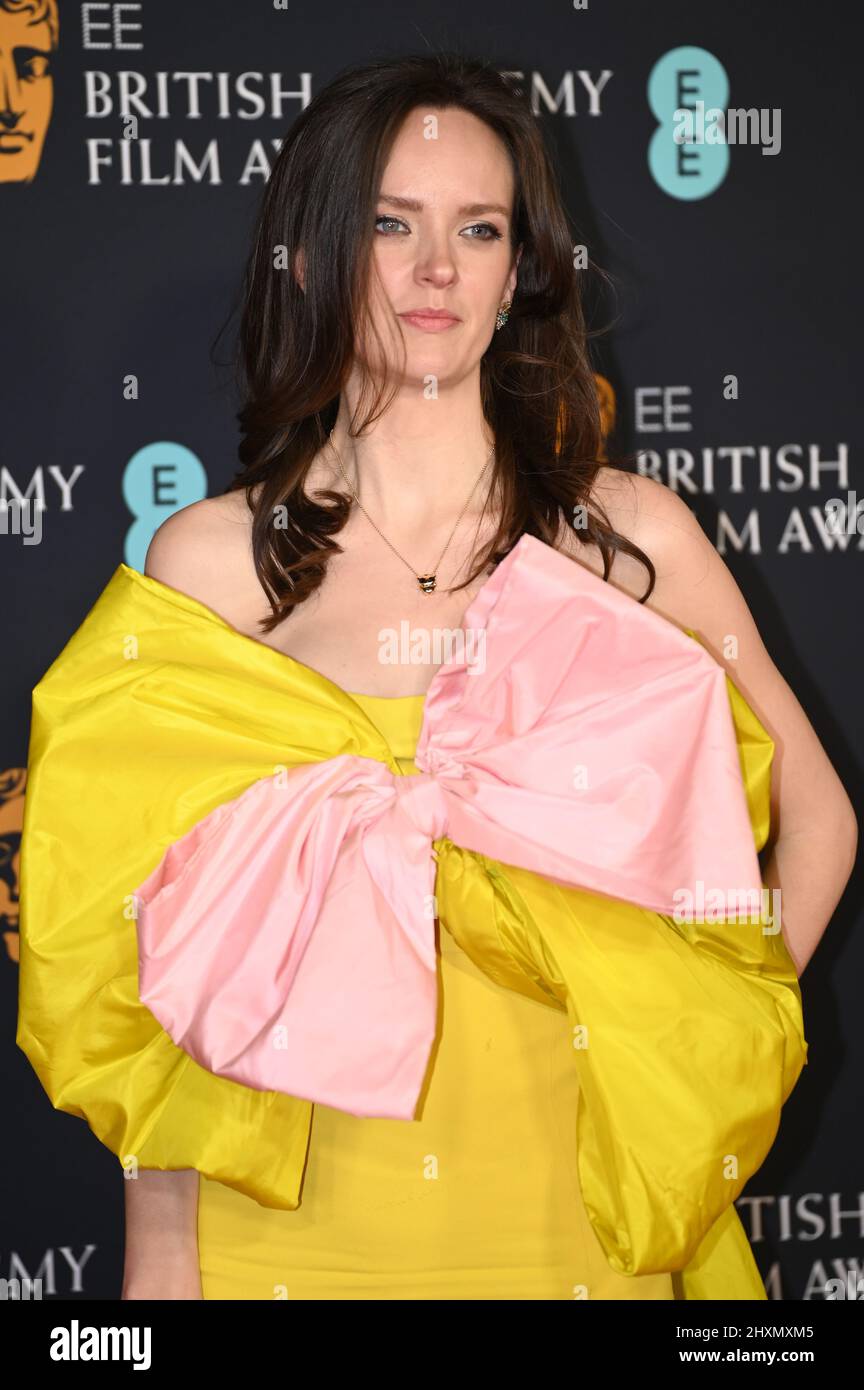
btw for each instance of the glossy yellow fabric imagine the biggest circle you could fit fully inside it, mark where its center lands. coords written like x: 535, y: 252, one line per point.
x: 477, y: 1197
x: 156, y: 712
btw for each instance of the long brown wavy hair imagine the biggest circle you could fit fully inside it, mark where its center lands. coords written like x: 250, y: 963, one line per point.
x: 296, y: 345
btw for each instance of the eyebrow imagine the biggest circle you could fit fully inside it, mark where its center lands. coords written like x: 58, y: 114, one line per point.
x: 469, y: 209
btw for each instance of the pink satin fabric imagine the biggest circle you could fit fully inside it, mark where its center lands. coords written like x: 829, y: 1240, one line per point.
x: 287, y: 941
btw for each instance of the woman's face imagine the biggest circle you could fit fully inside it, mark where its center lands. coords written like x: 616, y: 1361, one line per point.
x: 442, y: 241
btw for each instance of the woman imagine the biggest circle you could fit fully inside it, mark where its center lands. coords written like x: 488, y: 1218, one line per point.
x: 412, y: 235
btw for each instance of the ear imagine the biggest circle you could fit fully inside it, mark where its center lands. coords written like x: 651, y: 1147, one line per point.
x: 300, y: 269
x: 511, y: 281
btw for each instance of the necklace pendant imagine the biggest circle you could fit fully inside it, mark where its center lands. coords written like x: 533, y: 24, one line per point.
x: 426, y: 582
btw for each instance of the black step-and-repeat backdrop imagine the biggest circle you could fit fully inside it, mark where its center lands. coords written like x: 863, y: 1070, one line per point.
x: 134, y: 143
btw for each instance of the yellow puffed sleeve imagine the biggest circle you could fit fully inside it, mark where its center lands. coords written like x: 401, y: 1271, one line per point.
x: 154, y: 713
x: 687, y: 1039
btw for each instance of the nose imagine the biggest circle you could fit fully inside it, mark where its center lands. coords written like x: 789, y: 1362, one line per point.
x: 434, y: 261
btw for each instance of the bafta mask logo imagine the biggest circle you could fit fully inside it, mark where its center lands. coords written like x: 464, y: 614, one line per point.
x: 606, y: 406
x: 606, y: 397
x: 29, y: 34
x: 12, y: 783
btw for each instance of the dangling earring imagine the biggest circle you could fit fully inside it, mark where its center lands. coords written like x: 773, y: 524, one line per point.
x: 503, y: 314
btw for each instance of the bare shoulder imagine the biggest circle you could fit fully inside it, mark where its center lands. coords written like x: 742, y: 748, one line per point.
x: 662, y: 525
x: 693, y: 586
x: 204, y: 550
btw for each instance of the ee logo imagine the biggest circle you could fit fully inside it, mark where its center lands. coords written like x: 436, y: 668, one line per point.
x: 679, y: 80
x: 158, y: 480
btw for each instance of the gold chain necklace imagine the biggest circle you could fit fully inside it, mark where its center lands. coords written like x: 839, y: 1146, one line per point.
x: 427, y: 582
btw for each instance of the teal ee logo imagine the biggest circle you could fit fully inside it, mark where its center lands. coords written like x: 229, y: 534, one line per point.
x: 158, y: 480
x: 686, y: 79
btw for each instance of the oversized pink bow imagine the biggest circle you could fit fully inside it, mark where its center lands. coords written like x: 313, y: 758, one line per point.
x: 287, y: 940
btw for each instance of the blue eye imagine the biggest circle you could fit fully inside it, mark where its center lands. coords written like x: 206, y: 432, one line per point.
x: 492, y: 233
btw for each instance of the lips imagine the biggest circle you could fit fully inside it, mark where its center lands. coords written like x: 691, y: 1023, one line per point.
x: 432, y: 320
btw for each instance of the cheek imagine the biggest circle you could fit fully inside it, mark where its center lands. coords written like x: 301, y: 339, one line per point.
x: 486, y: 278
x: 391, y: 258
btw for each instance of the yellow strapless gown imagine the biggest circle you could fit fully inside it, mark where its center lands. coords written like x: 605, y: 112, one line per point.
x: 476, y: 1198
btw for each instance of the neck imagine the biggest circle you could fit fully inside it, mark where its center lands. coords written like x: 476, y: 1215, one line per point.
x: 421, y: 459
